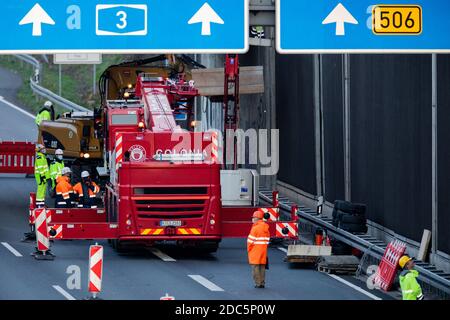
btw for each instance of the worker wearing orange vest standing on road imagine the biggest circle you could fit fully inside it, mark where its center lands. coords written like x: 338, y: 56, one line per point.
x: 257, y: 244
x: 64, y: 190
x: 87, y: 191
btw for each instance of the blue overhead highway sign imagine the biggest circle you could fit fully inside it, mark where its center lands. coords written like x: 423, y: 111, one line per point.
x: 115, y: 26
x: 337, y: 26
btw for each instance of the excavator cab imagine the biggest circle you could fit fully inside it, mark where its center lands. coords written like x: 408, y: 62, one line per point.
x: 76, y: 133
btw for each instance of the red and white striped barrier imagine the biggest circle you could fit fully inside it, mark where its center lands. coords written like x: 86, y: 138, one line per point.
x: 294, y: 213
x: 275, y: 200
x: 214, y: 147
x: 56, y: 230
x: 95, y: 269
x: 119, y: 149
x: 119, y: 153
x: 274, y: 213
x: 388, y: 266
x: 167, y: 297
x: 42, y: 236
x: 31, y: 218
x: 287, y: 230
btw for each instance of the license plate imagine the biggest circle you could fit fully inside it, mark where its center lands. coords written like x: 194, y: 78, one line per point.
x: 170, y: 223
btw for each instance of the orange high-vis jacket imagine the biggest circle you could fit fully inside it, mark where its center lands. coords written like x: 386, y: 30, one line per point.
x: 78, y: 189
x: 257, y: 243
x: 63, y: 187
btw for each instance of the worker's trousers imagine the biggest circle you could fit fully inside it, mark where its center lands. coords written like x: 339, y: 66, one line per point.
x: 259, y: 274
x: 40, y: 193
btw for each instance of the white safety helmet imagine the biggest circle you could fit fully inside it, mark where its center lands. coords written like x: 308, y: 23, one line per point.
x: 48, y: 104
x: 59, y: 154
x: 40, y: 148
x: 65, y: 171
x: 85, y: 174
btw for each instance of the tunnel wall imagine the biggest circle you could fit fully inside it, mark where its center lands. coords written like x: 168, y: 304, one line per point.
x: 390, y: 136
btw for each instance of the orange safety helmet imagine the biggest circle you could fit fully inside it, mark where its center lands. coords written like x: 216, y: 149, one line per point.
x: 258, y: 214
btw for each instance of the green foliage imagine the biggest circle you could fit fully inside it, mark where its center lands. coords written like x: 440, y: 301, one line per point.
x: 76, y: 85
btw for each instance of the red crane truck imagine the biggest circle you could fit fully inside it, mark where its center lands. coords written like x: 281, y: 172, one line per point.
x: 165, y: 182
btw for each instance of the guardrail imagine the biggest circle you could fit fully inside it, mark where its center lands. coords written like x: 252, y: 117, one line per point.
x: 43, y: 92
x: 58, y: 100
x: 367, y: 244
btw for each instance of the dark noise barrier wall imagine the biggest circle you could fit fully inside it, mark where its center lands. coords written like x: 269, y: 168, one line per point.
x: 295, y: 119
x: 443, y: 143
x: 390, y: 138
x: 333, y: 127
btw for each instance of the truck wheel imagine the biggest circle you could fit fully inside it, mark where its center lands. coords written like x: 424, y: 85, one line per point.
x: 117, y: 246
x: 208, y: 247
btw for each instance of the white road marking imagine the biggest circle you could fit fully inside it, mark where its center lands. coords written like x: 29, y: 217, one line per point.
x: 161, y: 255
x: 374, y: 297
x: 282, y: 249
x: 205, y: 282
x: 11, y: 249
x: 66, y: 295
x: 16, y: 108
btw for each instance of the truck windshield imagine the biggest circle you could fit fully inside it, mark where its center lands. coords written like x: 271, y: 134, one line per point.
x: 118, y: 119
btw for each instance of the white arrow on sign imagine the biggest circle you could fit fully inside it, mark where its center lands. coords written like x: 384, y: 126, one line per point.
x: 206, y: 15
x: 340, y: 16
x: 37, y: 16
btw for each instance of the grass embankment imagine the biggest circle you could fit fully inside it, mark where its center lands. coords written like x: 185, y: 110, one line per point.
x: 77, y: 80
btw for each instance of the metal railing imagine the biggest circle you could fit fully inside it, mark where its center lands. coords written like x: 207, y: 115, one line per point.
x: 366, y: 244
x: 43, y: 92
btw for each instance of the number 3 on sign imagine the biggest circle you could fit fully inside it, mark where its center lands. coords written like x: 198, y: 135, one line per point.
x: 123, y: 20
x: 397, y: 19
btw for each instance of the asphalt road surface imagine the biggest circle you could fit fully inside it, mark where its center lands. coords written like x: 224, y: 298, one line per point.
x: 145, y: 274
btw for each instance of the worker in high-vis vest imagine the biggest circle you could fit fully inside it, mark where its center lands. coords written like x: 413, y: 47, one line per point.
x: 411, y: 289
x: 257, y: 244
x: 47, y: 113
x: 42, y: 174
x: 64, y: 190
x: 87, y: 191
x: 56, y: 167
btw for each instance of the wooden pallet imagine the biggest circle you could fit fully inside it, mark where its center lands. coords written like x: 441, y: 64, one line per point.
x: 337, y: 270
x: 301, y: 259
x: 338, y: 264
x: 306, y: 253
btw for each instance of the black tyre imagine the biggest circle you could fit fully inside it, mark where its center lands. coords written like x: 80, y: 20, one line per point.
x: 208, y: 247
x: 343, y: 205
x: 117, y: 246
x: 353, y: 219
x: 353, y: 228
x: 359, y: 208
x: 354, y: 208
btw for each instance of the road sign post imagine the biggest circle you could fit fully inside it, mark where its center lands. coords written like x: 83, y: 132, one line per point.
x: 131, y: 26
x: 365, y: 26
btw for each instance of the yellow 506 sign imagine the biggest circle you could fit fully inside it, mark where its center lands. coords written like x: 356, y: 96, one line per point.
x: 397, y: 19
